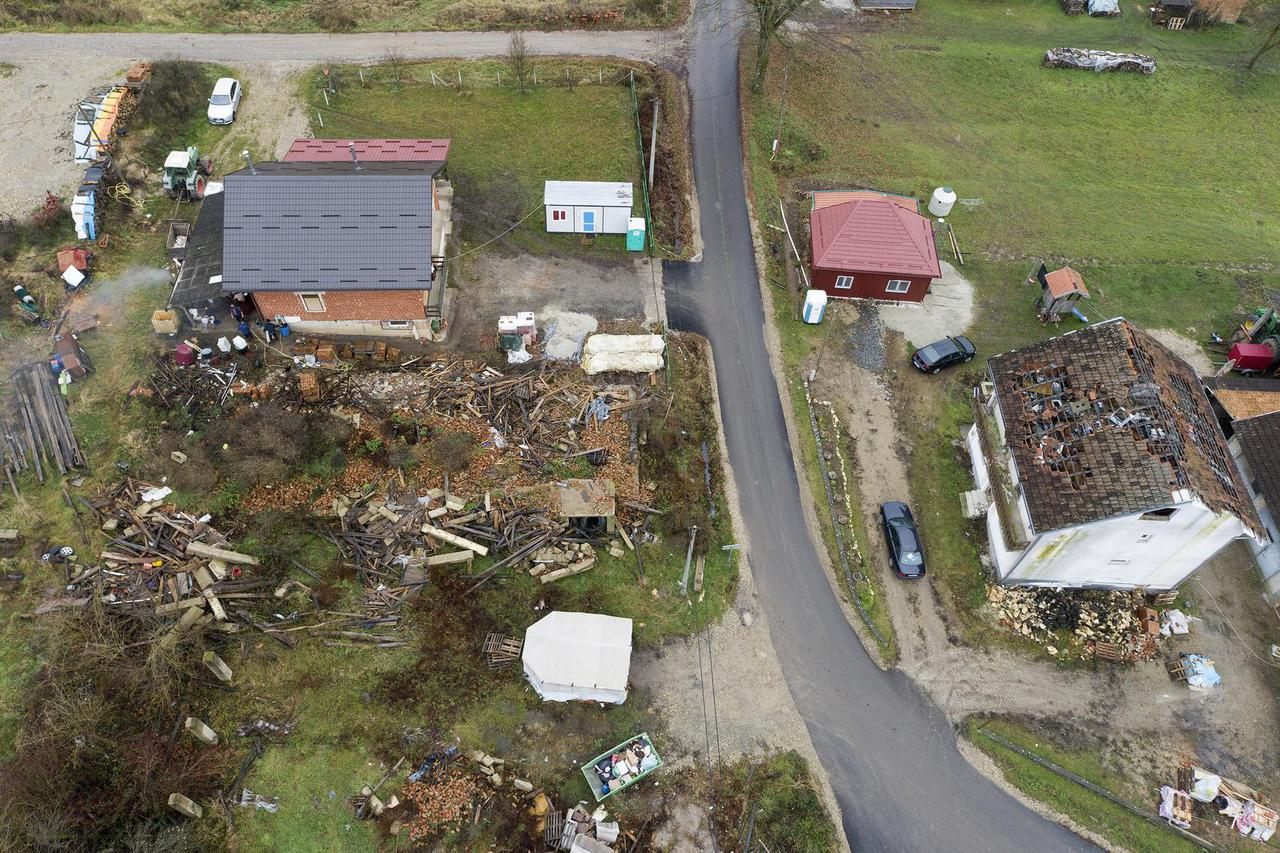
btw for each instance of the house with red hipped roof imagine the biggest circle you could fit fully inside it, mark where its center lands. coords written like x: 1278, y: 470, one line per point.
x: 871, y: 245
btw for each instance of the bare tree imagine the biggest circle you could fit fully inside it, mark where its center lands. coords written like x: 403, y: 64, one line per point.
x: 771, y: 16
x: 518, y: 60
x: 394, y: 61
x: 1267, y: 16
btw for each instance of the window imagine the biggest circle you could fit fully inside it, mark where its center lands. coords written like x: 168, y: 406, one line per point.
x: 897, y: 285
x: 312, y: 302
x: 396, y: 324
x: 844, y: 282
x: 588, y: 221
x: 1158, y: 514
x: 557, y: 215
x: 1117, y: 561
x: 1145, y: 537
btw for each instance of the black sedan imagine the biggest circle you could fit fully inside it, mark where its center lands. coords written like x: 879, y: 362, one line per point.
x: 944, y: 353
x: 903, y: 538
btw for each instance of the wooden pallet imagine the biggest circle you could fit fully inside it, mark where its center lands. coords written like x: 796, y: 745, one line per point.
x: 1108, y: 651
x: 1164, y: 599
x: 502, y: 651
x: 554, y: 828
x: 1182, y: 807
x: 1177, y: 670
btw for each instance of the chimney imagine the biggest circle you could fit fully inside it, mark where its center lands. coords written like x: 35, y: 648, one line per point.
x: 351, y: 146
x: 249, y: 160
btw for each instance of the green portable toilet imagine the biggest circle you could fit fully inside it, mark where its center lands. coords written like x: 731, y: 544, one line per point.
x: 635, y: 234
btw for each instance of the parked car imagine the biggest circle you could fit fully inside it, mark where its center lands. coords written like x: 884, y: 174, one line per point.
x: 944, y: 353
x: 225, y: 101
x: 900, y: 532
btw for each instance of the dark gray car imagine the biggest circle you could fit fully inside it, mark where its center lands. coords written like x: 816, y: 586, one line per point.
x: 944, y: 353
x: 905, y: 552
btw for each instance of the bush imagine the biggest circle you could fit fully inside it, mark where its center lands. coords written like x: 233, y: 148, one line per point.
x: 451, y: 452
x: 332, y: 16
x: 176, y: 97
x: 95, y: 758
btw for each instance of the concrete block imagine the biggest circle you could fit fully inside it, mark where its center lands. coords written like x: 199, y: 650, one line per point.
x: 217, y: 666
x: 200, y: 731
x: 183, y: 805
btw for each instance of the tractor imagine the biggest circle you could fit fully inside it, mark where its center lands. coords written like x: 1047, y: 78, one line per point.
x: 185, y: 174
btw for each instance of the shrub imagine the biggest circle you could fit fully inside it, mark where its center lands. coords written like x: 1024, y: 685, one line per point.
x: 451, y: 452
x: 332, y: 16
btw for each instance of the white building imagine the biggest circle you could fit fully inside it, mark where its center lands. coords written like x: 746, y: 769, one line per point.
x: 1102, y: 464
x: 587, y: 207
x: 578, y: 656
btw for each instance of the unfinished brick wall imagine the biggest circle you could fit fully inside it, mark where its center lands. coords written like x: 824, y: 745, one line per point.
x: 348, y: 305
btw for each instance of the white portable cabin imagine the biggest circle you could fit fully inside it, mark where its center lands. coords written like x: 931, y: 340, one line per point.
x: 578, y: 656
x: 587, y: 207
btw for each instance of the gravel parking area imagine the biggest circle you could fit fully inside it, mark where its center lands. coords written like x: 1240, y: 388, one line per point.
x: 38, y: 99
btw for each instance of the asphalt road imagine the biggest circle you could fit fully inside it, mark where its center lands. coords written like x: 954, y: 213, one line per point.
x: 891, y: 755
x: 324, y: 47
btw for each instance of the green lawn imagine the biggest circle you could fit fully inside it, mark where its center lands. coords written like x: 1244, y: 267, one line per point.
x: 1118, y: 825
x: 504, y: 144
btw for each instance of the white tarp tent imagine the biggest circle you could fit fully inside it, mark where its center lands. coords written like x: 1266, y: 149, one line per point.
x: 578, y: 656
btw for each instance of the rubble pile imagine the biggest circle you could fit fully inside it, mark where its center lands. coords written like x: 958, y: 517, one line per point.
x: 173, y: 564
x: 440, y: 803
x: 1107, y: 624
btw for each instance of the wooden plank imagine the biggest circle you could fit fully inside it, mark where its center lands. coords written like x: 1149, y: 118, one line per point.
x: 454, y: 539
x: 200, y: 549
x: 568, y: 571
x: 697, y: 576
x: 450, y: 558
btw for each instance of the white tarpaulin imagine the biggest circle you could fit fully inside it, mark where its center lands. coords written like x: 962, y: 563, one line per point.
x: 578, y: 656
x: 627, y: 353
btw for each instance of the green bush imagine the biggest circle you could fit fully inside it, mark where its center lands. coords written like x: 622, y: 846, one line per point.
x: 332, y: 16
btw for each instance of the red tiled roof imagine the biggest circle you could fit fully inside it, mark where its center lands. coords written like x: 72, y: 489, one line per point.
x: 370, y: 150
x: 873, y: 235
x: 830, y: 198
x: 1064, y: 281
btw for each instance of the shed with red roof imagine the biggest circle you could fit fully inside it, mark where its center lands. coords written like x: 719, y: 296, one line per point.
x: 872, y: 246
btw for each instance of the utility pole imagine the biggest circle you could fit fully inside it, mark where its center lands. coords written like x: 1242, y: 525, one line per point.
x: 782, y: 108
x: 653, y: 141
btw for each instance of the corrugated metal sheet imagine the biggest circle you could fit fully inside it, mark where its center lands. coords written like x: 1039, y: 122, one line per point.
x: 587, y: 193
x: 370, y: 150
x: 873, y: 235
x: 325, y: 226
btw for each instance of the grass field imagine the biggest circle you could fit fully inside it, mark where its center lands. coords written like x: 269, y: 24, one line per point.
x: 505, y: 144
x: 1116, y: 824
x: 1150, y: 186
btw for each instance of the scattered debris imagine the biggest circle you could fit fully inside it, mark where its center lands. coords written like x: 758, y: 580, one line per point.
x: 623, y: 765
x: 1097, y: 60
x: 1112, y: 625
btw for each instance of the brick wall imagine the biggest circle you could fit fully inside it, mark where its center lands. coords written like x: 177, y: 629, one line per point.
x: 347, y: 305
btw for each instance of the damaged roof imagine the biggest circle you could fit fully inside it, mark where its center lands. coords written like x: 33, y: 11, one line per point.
x: 1106, y: 421
x: 1260, y: 440
x: 1242, y: 397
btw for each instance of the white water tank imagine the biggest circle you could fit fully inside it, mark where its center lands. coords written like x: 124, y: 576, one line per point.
x: 815, y: 305
x: 944, y: 198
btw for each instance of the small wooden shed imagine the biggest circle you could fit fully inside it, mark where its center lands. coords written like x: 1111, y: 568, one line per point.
x: 1060, y: 292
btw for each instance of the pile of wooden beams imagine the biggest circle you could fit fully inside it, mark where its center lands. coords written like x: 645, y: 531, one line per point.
x: 175, y: 565
x: 36, y: 432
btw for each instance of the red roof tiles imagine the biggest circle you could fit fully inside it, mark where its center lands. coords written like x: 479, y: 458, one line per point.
x: 873, y: 235
x: 369, y: 150
x: 1064, y: 281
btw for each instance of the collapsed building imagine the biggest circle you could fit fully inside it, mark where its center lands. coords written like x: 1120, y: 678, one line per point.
x: 1099, y: 463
